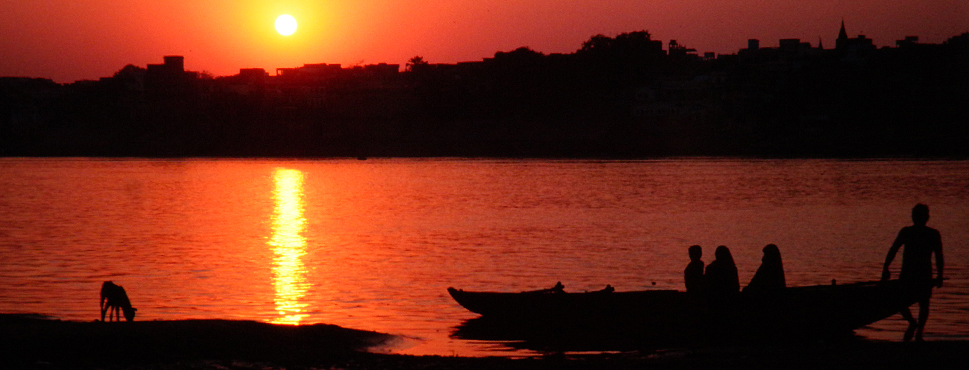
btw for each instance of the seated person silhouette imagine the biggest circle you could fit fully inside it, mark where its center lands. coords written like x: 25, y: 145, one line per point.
x: 720, y: 278
x: 693, y: 275
x: 770, y: 275
x: 920, y: 243
x: 114, y: 298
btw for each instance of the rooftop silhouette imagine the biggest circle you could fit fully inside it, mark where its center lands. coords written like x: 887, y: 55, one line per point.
x: 621, y: 97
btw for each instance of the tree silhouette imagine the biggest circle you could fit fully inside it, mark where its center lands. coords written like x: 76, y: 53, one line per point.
x: 597, y: 43
x: 416, y: 63
x: 630, y: 45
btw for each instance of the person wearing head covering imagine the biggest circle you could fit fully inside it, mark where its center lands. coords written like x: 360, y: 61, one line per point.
x: 770, y: 275
x: 720, y: 277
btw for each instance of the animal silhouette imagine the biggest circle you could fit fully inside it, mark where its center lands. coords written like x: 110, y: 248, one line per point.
x: 114, y: 297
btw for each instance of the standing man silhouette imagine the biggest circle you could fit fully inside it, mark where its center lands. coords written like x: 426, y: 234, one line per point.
x: 920, y: 243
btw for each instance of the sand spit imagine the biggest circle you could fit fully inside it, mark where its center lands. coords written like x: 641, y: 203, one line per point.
x: 36, y: 343
x: 28, y: 339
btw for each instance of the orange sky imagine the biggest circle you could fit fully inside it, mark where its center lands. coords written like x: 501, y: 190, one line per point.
x: 68, y: 40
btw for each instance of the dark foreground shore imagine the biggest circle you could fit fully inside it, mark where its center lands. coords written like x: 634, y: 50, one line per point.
x: 32, y: 342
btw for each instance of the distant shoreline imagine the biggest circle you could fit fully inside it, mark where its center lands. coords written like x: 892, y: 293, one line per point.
x: 623, y: 97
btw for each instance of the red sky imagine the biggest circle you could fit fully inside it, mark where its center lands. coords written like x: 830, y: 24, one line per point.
x: 68, y: 40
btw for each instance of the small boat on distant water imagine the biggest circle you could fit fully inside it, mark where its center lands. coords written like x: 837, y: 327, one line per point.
x: 810, y: 310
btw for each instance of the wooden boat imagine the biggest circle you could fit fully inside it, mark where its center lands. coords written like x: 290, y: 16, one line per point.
x: 821, y: 309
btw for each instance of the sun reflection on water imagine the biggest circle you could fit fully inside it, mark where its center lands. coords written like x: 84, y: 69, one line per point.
x: 289, y: 246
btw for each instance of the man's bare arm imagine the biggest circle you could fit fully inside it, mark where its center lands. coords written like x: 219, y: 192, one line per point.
x: 939, y: 263
x: 891, y: 256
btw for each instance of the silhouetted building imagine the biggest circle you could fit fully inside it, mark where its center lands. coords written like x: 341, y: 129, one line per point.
x: 247, y: 82
x: 253, y: 74
x: 853, y: 47
x: 379, y: 75
x: 788, y: 50
x: 168, y: 79
x: 789, y: 46
x: 909, y: 41
x: 795, y: 48
x: 173, y: 66
x: 675, y: 50
x: 25, y: 102
x: 752, y: 52
x: 842, y: 35
x: 314, y: 72
x: 175, y: 62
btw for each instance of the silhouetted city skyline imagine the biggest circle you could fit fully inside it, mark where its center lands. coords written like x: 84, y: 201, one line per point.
x: 622, y: 96
x: 844, y: 43
x: 88, y: 40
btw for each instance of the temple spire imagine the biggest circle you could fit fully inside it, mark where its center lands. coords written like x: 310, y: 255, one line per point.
x: 843, y: 34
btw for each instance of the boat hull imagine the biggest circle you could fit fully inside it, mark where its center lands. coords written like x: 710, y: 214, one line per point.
x: 810, y: 310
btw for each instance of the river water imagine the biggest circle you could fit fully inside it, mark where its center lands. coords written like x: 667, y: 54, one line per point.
x: 374, y: 244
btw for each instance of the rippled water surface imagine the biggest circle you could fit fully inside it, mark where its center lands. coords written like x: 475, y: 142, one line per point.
x: 374, y: 244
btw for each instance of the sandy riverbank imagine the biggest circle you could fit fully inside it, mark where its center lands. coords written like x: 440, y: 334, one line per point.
x: 33, y: 339
x: 34, y: 342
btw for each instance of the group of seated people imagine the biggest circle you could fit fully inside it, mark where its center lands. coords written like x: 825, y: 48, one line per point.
x: 720, y: 276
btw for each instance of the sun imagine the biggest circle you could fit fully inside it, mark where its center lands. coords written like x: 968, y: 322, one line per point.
x: 285, y: 25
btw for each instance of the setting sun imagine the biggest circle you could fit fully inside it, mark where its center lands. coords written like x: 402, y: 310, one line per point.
x: 285, y: 25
